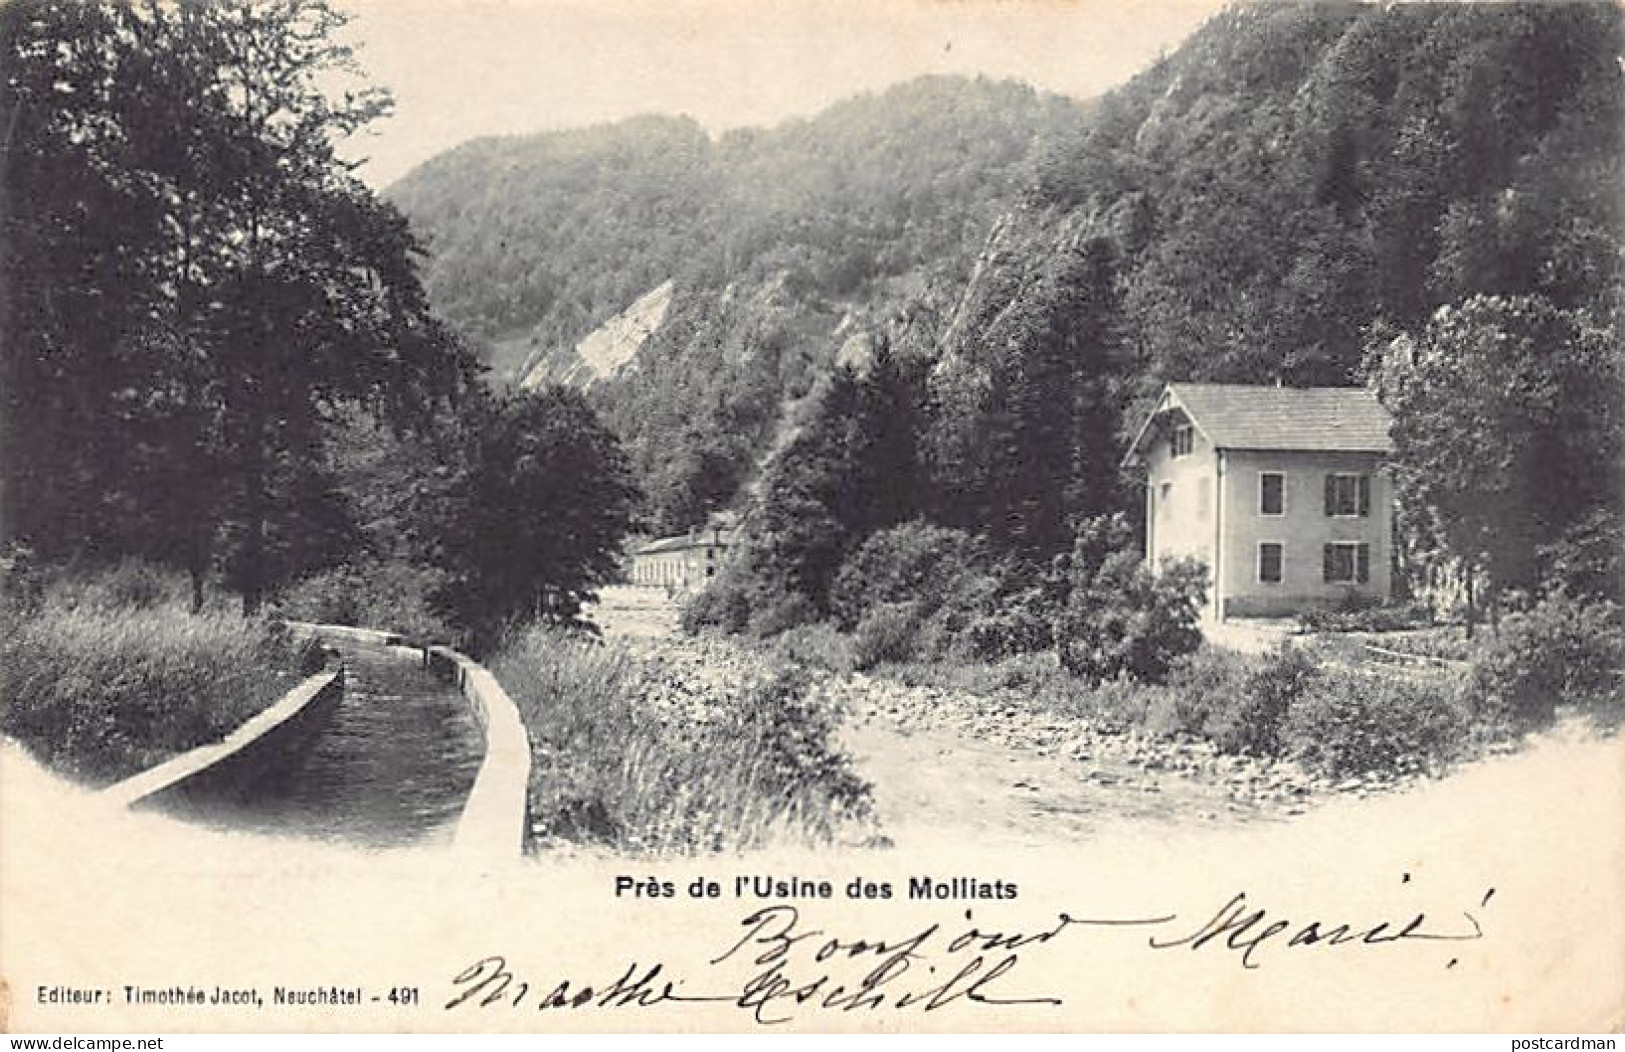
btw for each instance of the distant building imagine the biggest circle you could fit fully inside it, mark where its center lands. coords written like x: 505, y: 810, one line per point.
x: 1280, y: 491
x: 682, y: 562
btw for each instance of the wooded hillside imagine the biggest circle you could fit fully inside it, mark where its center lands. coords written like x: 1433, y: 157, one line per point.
x: 1289, y: 185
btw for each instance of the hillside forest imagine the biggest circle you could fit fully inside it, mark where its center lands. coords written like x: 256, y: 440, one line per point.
x: 946, y: 303
x: 936, y: 310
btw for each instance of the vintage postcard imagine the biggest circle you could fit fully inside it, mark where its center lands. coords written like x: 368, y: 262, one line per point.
x: 905, y: 516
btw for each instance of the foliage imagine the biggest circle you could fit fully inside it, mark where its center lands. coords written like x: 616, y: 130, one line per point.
x: 195, y: 282
x: 913, y: 562
x: 1563, y: 651
x: 1030, y: 449
x: 1359, y: 612
x: 1502, y: 411
x: 886, y: 633
x: 536, y: 518
x: 1236, y: 701
x: 843, y: 477
x: 1588, y: 559
x: 1346, y: 723
x: 1119, y: 616
x: 1020, y: 623
x: 724, y: 604
x: 105, y: 676
x: 393, y: 596
x: 614, y: 765
x: 819, y: 646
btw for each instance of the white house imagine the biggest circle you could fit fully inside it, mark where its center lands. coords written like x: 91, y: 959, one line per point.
x: 1280, y: 491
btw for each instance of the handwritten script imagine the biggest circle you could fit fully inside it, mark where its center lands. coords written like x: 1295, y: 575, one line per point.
x: 789, y: 967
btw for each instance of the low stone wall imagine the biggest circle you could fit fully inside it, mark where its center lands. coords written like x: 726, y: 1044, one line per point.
x: 494, y: 819
x: 237, y: 765
x: 360, y: 635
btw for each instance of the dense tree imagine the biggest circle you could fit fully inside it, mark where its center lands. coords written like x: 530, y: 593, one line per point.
x: 1024, y: 441
x: 196, y: 284
x: 804, y: 525
x: 1508, y: 434
x: 534, y: 520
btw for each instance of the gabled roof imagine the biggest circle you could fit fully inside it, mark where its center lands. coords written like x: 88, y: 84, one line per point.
x: 1244, y: 416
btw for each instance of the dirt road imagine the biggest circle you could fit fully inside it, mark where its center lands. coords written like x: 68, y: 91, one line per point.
x: 960, y: 768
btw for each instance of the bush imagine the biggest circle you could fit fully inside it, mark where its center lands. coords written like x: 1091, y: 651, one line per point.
x: 1237, y: 701
x: 1122, y: 618
x: 819, y: 645
x: 722, y: 605
x: 773, y: 612
x: 388, y: 595
x: 1346, y: 724
x: 1020, y: 625
x: 1356, y: 612
x: 887, y: 633
x: 1562, y: 651
x: 968, y: 595
x: 911, y: 563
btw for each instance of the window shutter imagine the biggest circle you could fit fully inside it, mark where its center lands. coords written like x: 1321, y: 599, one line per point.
x: 1331, y: 495
x: 1362, y: 563
x: 1365, y: 497
x: 1327, y: 557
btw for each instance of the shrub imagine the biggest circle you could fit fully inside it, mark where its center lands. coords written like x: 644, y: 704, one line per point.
x: 773, y: 612
x: 914, y: 562
x: 1355, y: 612
x: 888, y: 632
x: 389, y: 595
x: 1562, y: 651
x: 1237, y: 701
x: 819, y: 645
x: 968, y: 595
x: 723, y: 605
x: 1122, y: 618
x: 1020, y: 625
x: 1347, y: 724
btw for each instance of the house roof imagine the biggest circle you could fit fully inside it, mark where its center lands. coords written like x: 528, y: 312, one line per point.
x: 1244, y: 416
x: 685, y: 541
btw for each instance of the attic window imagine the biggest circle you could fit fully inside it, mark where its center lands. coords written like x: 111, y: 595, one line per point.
x: 1184, y: 440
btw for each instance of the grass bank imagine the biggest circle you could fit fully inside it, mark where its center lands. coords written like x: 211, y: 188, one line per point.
x: 616, y: 765
x: 100, y: 679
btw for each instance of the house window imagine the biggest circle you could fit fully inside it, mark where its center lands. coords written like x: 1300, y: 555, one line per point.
x: 1269, y: 562
x: 1346, y: 563
x: 1348, y: 495
x: 1271, y: 493
x: 1184, y: 440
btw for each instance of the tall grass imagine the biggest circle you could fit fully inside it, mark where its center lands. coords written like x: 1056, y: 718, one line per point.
x: 650, y: 768
x: 100, y: 679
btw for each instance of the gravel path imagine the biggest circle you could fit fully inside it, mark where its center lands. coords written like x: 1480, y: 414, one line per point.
x: 950, y: 764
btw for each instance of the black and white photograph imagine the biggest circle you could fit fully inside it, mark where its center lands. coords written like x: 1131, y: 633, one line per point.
x: 891, y: 516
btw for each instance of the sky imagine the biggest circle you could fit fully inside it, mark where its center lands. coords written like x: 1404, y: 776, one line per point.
x: 460, y: 69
